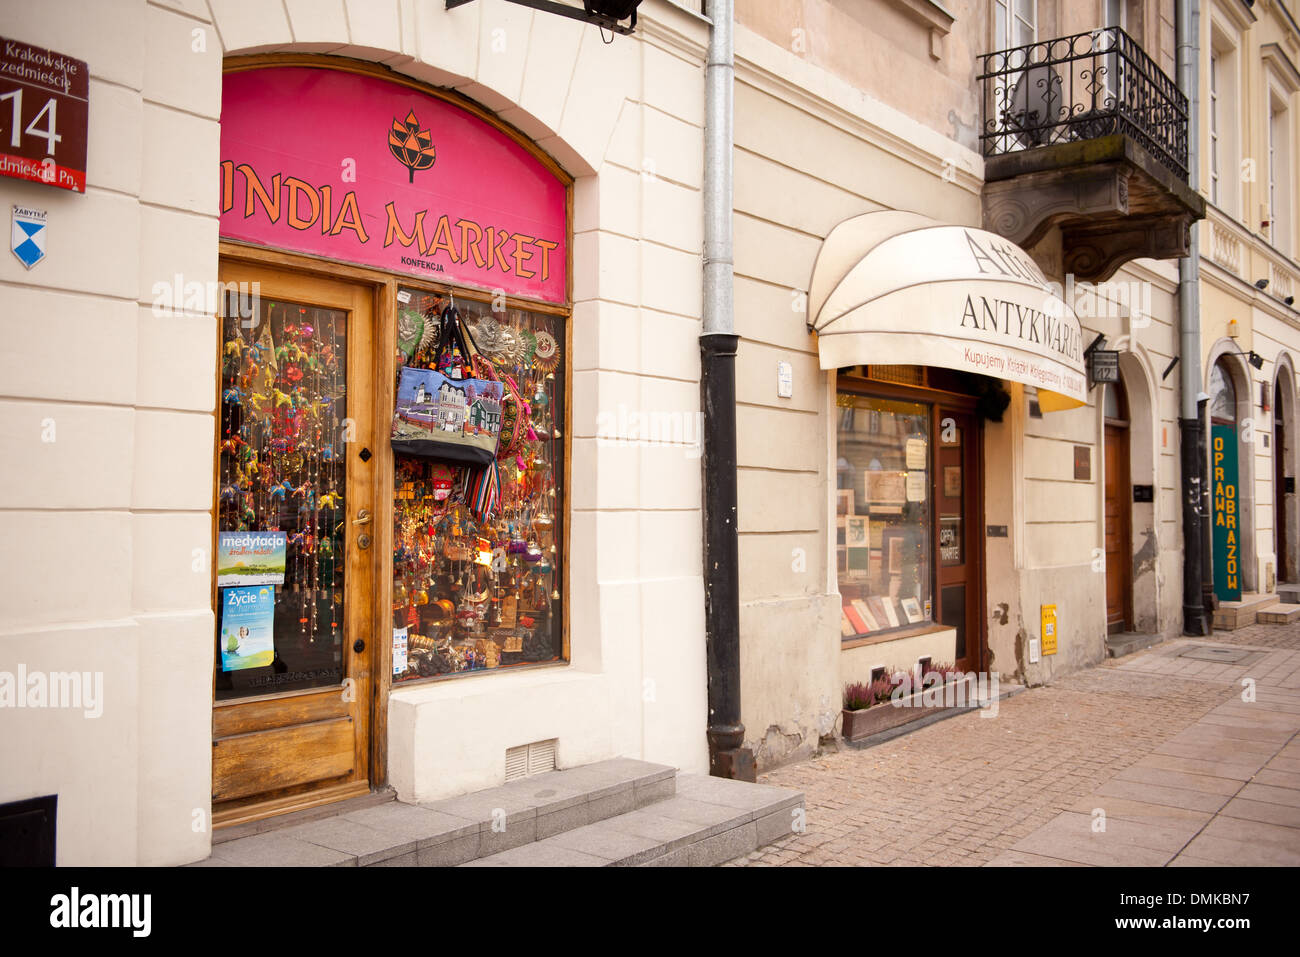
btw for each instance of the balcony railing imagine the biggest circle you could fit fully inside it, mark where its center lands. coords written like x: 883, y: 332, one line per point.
x: 1080, y: 88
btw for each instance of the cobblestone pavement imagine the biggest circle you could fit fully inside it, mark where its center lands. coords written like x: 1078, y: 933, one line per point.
x: 974, y: 790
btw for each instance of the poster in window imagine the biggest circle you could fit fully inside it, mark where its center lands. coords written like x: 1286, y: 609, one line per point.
x: 916, y: 486
x: 844, y: 501
x: 952, y: 481
x: 855, y: 532
x: 250, y: 558
x: 247, y: 627
x: 915, y: 453
x: 892, y: 547
x: 886, y: 488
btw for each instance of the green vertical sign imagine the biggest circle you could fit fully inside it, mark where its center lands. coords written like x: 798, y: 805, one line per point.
x: 1227, y: 536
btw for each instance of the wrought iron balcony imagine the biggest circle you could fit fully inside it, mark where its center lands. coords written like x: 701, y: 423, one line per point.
x: 1087, y: 133
x: 1081, y: 88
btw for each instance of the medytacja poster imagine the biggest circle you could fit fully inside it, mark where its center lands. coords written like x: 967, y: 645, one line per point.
x: 250, y: 558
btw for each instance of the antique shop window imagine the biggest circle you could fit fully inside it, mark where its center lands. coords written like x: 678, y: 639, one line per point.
x: 280, y: 508
x: 475, y: 590
x: 883, y: 517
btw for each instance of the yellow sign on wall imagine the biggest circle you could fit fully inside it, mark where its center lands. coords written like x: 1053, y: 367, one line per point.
x: 1049, y: 629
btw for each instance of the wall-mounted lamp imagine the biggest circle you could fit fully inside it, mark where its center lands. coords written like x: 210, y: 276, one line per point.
x: 1261, y: 283
x: 1233, y: 331
x: 1253, y: 357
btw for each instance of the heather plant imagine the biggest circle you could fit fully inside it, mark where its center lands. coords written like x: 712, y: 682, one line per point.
x: 858, y: 695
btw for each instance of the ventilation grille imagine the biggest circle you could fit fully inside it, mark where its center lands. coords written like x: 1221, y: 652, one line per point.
x: 903, y: 375
x: 527, y: 759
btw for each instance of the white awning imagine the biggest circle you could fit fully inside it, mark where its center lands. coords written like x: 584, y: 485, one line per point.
x: 898, y: 288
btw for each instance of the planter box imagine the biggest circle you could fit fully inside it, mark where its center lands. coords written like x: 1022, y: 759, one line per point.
x: 886, y: 715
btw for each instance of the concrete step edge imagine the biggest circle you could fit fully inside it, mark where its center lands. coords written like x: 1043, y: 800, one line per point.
x: 740, y: 833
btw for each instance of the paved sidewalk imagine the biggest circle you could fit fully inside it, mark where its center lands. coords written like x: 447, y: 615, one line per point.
x: 1159, y: 749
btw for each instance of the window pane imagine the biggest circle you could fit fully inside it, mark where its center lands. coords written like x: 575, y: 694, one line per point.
x: 952, y: 495
x: 883, y: 519
x: 468, y: 593
x: 1223, y: 396
x: 281, y: 470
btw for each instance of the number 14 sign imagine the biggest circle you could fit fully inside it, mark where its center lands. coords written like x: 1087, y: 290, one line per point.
x: 44, y: 104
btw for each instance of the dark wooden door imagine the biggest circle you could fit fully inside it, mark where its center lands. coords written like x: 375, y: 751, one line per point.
x: 1119, y: 537
x: 959, y: 501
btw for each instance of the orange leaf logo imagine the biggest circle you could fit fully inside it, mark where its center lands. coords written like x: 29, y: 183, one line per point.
x: 412, y: 146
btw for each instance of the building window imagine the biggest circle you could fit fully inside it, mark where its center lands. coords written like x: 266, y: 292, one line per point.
x: 1279, y: 173
x: 1214, y: 127
x: 1223, y: 150
x: 473, y: 593
x: 1223, y: 395
x: 883, y: 519
x: 1015, y: 23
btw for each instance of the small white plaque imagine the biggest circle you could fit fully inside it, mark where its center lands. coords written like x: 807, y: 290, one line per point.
x: 784, y: 379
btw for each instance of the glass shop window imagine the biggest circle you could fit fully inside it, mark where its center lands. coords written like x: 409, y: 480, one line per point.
x: 280, y: 506
x: 478, y: 588
x: 883, y: 517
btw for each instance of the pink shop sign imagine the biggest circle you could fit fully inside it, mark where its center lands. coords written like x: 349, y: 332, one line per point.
x: 364, y: 171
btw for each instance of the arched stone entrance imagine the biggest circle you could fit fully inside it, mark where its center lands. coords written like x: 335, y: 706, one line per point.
x: 1232, y: 443
x: 1132, y: 529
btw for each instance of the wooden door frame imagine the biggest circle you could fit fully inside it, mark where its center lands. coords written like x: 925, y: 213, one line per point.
x: 385, y: 285
x: 364, y: 667
x: 972, y: 508
x: 958, y: 402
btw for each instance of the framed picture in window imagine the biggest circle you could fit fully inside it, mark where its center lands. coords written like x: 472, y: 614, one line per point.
x: 886, y: 487
x: 855, y: 531
x: 892, y: 540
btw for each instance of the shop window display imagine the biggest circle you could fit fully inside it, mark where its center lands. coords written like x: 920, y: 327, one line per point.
x: 476, y: 555
x: 883, y: 515
x: 280, y: 502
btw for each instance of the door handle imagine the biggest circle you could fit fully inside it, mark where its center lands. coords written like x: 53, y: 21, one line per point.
x: 363, y: 517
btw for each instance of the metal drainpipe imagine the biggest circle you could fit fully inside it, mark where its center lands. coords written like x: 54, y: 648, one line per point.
x: 726, y: 734
x: 1196, y: 558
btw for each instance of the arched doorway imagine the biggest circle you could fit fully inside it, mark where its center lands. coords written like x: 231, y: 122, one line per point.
x: 1118, y: 511
x: 1225, y: 481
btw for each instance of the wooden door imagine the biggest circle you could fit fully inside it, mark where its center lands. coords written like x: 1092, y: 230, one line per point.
x: 1119, y: 538
x: 295, y: 456
x: 959, y: 502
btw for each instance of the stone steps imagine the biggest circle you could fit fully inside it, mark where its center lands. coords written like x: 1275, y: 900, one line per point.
x: 1231, y: 615
x: 1289, y: 594
x: 707, y: 822
x: 1279, y: 614
x: 558, y: 817
x: 1126, y: 643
